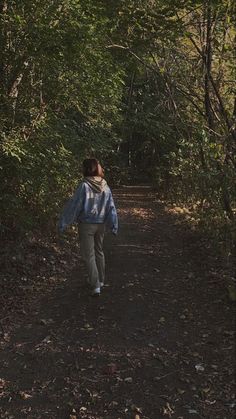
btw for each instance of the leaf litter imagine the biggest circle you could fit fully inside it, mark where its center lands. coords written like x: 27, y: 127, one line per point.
x: 168, y: 354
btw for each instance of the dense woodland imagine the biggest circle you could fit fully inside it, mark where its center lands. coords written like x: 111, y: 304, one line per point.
x: 147, y: 86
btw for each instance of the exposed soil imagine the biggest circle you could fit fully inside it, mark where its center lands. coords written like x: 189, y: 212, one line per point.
x: 159, y: 342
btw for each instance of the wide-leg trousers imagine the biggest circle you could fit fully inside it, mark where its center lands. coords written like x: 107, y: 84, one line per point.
x: 91, y: 245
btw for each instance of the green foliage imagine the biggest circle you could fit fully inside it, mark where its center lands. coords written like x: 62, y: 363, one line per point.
x: 60, y: 95
x: 139, y: 84
x: 179, y: 106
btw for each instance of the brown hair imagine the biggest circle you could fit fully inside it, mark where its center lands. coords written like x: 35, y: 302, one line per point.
x: 90, y: 167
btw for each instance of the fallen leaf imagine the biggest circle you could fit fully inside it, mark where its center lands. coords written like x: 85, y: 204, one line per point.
x: 181, y: 391
x: 199, y: 368
x: 114, y: 404
x: 168, y: 410
x: 110, y: 369
x: 24, y: 395
x: 83, y: 409
x: 136, y: 409
x: 128, y: 380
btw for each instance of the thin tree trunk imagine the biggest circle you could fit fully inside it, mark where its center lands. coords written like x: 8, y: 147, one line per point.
x: 207, y: 59
x: 209, y: 81
x: 130, y: 136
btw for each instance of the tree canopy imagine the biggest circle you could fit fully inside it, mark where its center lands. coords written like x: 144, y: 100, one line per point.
x: 146, y: 86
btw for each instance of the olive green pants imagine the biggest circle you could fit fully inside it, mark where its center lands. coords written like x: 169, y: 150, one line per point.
x: 91, y: 245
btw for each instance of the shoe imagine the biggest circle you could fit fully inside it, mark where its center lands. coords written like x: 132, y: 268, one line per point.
x: 95, y: 292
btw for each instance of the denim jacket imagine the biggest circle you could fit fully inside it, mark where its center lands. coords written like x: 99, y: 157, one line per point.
x: 89, y: 205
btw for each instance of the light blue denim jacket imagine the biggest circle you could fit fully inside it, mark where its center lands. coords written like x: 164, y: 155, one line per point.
x: 90, y: 206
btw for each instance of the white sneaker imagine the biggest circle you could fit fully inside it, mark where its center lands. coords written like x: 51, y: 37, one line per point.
x: 95, y: 292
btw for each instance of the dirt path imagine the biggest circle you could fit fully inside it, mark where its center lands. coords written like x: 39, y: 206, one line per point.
x: 159, y: 342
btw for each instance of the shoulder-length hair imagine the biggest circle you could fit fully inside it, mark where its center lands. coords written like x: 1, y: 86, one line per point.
x: 90, y: 167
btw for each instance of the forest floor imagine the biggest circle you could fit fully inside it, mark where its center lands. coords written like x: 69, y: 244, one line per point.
x: 158, y: 343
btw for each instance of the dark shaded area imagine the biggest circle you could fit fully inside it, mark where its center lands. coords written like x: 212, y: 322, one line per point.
x: 159, y: 342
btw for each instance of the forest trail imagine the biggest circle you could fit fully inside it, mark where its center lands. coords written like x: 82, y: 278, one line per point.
x: 158, y: 343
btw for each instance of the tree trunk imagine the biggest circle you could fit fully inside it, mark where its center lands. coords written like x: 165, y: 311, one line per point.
x: 207, y: 59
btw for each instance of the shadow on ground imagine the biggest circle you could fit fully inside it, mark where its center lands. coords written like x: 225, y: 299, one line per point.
x: 159, y: 342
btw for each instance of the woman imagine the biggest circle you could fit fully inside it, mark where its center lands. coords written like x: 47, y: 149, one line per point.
x: 92, y: 206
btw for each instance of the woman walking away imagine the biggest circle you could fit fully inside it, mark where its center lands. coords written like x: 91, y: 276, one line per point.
x: 92, y: 207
